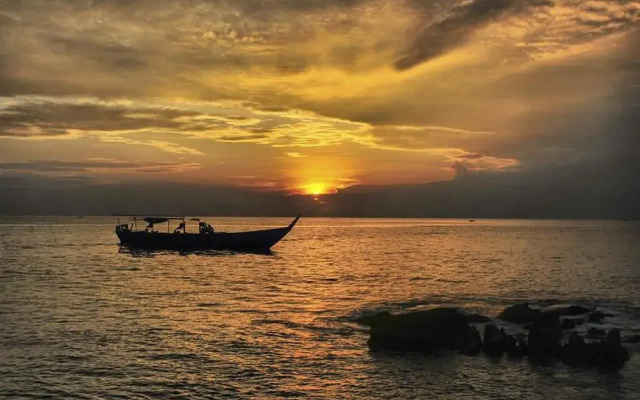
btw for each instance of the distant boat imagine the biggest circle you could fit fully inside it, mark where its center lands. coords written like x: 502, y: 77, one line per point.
x: 472, y: 220
x: 206, y: 238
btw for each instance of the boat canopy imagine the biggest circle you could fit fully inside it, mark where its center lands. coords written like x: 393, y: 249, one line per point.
x: 156, y: 220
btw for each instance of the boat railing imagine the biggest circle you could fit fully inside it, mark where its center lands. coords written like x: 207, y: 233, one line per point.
x: 152, y: 221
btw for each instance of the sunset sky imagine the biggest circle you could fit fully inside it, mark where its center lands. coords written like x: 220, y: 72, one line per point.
x: 309, y: 97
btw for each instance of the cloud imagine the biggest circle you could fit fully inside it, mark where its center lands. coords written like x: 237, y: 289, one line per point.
x: 24, y: 117
x: 140, y: 122
x: 393, y: 90
x: 97, y: 166
x: 457, y: 26
x: 295, y: 155
x: 538, y: 194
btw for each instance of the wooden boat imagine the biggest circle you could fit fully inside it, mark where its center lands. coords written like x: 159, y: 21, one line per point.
x: 206, y: 238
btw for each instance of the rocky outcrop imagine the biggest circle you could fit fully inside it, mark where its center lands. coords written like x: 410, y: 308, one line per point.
x: 516, y: 346
x: 523, y: 314
x: 577, y: 353
x: 607, y: 355
x: 520, y: 314
x: 567, y: 324
x: 493, y: 341
x: 610, y: 355
x: 419, y: 331
x: 473, y: 343
x: 543, y: 343
x: 448, y: 328
x: 632, y: 339
x: 570, y: 310
x: 595, y: 333
x: 368, y: 320
x: 596, y: 317
x: 477, y: 318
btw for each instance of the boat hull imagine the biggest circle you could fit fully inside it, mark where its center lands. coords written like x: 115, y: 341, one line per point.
x: 258, y: 241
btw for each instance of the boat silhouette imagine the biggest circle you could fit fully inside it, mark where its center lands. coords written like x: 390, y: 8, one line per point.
x: 205, y: 239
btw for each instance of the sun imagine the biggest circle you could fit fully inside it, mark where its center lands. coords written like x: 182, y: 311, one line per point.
x: 317, y: 188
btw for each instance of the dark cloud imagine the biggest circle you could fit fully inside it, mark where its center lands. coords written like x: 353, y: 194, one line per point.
x: 460, y: 170
x: 24, y: 196
x: 569, y: 192
x: 52, y: 119
x: 53, y: 166
x: 471, y: 156
x: 242, y: 138
x: 571, y: 119
x: 107, y: 55
x: 457, y: 26
x: 100, y: 47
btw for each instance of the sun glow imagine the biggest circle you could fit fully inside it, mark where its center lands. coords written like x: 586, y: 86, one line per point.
x: 317, y: 188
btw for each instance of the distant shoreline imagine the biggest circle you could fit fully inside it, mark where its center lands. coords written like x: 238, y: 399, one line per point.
x: 470, y: 220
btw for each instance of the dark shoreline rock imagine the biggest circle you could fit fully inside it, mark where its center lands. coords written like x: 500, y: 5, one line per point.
x: 419, y: 331
x: 368, y: 320
x: 610, y: 355
x: 595, y: 317
x: 477, y: 318
x: 571, y: 310
x: 520, y: 314
x: 544, y: 343
x: 567, y: 323
x: 473, y: 343
x: 448, y: 328
x: 577, y: 353
x: 595, y: 333
x: 516, y: 346
x: 632, y: 339
x: 493, y: 341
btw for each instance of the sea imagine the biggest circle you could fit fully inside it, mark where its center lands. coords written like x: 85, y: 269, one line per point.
x: 83, y: 318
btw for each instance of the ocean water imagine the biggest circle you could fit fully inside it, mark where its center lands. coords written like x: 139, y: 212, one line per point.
x: 81, y: 317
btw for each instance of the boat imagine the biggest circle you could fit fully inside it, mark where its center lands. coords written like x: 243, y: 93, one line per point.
x: 205, y: 239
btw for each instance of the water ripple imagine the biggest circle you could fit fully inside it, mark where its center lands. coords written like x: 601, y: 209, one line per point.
x: 81, y: 317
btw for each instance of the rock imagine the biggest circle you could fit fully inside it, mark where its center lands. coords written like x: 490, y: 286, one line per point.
x: 610, y: 355
x: 575, y: 310
x: 571, y: 310
x: 543, y: 343
x: 368, y: 320
x: 523, y: 348
x: 493, y: 341
x: 515, y: 347
x: 523, y: 314
x: 567, y: 323
x: 613, y: 337
x: 595, y: 317
x: 632, y: 339
x: 473, y: 343
x: 477, y: 318
x: 595, y: 333
x: 520, y: 314
x: 547, y: 321
x: 419, y: 331
x: 577, y: 353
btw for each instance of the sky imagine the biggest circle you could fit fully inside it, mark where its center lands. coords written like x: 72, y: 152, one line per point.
x: 412, y: 107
